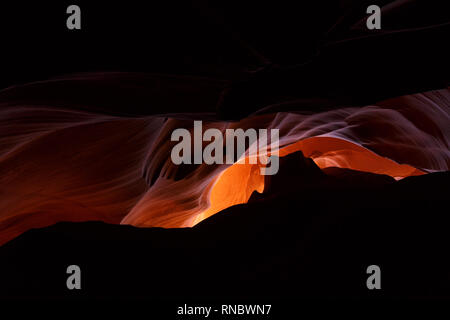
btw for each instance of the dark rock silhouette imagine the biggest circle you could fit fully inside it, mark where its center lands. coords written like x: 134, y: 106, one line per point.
x: 313, y: 241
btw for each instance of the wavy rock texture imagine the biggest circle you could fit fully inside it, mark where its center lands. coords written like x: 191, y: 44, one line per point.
x: 60, y: 164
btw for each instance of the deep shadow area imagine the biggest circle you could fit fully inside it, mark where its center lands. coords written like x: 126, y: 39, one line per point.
x: 312, y: 236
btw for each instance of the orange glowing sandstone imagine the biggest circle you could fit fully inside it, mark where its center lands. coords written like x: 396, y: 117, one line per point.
x: 62, y: 165
x: 236, y: 184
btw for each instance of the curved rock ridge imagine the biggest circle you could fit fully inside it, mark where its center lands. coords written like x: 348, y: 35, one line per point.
x: 68, y: 165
